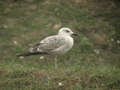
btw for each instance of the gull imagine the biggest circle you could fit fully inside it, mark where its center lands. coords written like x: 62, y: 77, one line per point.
x: 53, y: 45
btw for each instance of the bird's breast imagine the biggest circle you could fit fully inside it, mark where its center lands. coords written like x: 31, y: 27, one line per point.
x: 67, y: 46
x: 69, y: 42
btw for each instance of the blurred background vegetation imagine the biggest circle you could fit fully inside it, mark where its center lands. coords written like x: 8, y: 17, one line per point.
x: 92, y: 64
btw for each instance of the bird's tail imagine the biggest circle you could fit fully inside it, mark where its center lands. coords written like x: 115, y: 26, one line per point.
x: 30, y: 54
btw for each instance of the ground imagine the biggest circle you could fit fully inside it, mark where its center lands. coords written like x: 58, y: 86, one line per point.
x: 92, y: 64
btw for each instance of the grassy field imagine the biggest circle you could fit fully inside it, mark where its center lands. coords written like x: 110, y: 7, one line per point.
x: 92, y: 64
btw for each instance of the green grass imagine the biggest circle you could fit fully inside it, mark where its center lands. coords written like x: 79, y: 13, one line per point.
x: 90, y: 65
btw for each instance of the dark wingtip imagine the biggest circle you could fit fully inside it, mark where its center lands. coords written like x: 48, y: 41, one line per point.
x: 24, y: 54
x: 30, y: 54
x: 19, y: 55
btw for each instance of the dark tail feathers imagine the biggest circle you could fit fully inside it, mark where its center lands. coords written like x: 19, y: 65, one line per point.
x: 31, y: 53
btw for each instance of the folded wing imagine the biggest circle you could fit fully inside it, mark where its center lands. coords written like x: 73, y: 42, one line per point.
x: 49, y: 44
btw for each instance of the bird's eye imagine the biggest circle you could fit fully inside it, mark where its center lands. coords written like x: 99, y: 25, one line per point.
x: 67, y: 31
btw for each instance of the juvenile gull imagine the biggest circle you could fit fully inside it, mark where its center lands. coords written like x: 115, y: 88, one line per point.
x: 54, y: 45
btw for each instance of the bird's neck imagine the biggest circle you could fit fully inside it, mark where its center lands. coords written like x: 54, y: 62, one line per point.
x: 65, y: 35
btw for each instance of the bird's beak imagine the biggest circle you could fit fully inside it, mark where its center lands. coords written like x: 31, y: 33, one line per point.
x: 75, y: 34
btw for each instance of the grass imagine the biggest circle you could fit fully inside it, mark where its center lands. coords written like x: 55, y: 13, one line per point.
x: 91, y: 64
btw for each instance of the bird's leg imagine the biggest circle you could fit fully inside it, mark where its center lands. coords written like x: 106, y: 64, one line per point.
x: 56, y: 62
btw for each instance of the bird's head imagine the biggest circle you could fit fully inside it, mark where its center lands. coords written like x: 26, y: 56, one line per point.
x: 66, y: 31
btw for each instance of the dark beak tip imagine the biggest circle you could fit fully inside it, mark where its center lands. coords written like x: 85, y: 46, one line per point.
x: 75, y: 34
